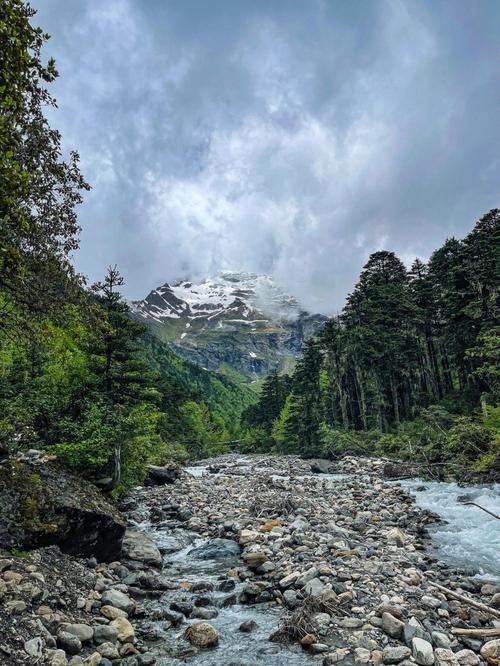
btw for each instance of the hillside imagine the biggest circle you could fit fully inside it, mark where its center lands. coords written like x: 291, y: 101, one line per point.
x: 241, y: 324
x: 187, y: 382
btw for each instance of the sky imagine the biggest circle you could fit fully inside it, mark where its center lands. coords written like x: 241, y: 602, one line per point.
x: 288, y: 137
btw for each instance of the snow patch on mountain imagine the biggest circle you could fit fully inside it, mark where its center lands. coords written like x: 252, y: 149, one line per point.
x: 232, y: 296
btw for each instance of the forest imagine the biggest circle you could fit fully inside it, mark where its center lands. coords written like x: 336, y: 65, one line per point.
x: 409, y: 368
x: 79, y: 378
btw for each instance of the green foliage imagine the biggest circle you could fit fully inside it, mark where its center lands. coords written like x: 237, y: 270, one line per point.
x: 38, y: 189
x: 205, y: 433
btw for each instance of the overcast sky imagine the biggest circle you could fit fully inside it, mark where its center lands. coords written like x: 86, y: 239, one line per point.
x: 281, y: 136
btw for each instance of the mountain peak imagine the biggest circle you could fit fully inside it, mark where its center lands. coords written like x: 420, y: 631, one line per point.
x: 234, y: 319
x: 225, y: 295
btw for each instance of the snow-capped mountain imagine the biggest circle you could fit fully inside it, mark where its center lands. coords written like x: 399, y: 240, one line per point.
x: 241, y: 322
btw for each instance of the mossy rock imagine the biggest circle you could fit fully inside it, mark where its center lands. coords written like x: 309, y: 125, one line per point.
x: 43, y: 504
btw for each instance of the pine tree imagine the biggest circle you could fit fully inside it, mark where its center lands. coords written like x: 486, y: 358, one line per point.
x: 123, y: 379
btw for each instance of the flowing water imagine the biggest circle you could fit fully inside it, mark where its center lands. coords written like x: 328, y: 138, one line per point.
x: 239, y: 649
x: 471, y: 537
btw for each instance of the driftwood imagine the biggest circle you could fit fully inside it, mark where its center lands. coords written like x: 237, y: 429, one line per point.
x: 480, y: 633
x: 466, y: 600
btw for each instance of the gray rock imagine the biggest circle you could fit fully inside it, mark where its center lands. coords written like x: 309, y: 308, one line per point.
x: 204, y: 613
x: 34, y: 647
x: 314, y: 588
x: 137, y: 546
x: 306, y: 577
x: 393, y: 655
x: 444, y: 657
x: 118, y: 600
x: 392, y: 626
x: 422, y: 652
x: 440, y: 640
x: 159, y: 476
x: 69, y: 642
x: 56, y: 658
x: 413, y: 629
x: 105, y: 634
x: 146, y: 659
x: 469, y: 658
x: 108, y: 650
x: 321, y: 466
x: 81, y: 631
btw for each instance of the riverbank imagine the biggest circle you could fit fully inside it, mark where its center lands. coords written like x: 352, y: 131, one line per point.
x: 270, y: 564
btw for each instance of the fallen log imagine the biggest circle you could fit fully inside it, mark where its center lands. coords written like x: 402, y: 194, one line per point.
x: 466, y: 600
x: 480, y: 633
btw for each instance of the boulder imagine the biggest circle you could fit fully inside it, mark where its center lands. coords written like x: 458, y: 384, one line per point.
x: 491, y: 651
x: 393, y: 655
x: 248, y: 536
x: 81, y: 631
x: 399, y: 470
x: 105, y: 634
x: 254, y: 559
x: 64, y: 510
x: 56, y: 658
x: 119, y: 600
x: 396, y: 536
x: 392, y: 626
x: 422, y: 652
x: 69, y: 642
x: 34, y: 647
x: 124, y: 630
x: 445, y: 657
x: 314, y: 588
x: 111, y: 612
x: 159, y: 476
x: 137, y: 546
x: 321, y: 466
x: 202, y: 635
x: 470, y: 658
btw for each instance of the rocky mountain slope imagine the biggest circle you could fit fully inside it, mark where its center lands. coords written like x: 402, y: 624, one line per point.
x: 242, y: 324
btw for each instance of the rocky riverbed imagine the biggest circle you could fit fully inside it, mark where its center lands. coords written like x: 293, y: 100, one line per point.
x: 256, y: 560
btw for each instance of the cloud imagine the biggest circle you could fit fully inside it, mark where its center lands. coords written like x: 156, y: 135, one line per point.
x: 291, y: 138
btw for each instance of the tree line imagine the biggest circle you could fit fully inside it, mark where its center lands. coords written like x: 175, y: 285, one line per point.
x: 411, y: 361
x: 79, y: 377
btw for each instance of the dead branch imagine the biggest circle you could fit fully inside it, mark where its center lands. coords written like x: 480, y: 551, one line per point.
x: 482, y: 508
x: 480, y: 633
x: 466, y: 600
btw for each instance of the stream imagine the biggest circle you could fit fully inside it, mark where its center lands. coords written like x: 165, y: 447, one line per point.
x: 470, y: 539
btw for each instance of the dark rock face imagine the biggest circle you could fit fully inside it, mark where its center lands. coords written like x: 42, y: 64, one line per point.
x: 399, y: 470
x: 42, y: 504
x: 159, y: 476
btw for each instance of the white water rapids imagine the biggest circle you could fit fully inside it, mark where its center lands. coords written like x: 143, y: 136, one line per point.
x: 471, y: 537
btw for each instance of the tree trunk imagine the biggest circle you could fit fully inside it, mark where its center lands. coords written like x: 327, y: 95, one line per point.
x: 117, y: 464
x: 395, y: 403
x: 362, y: 399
